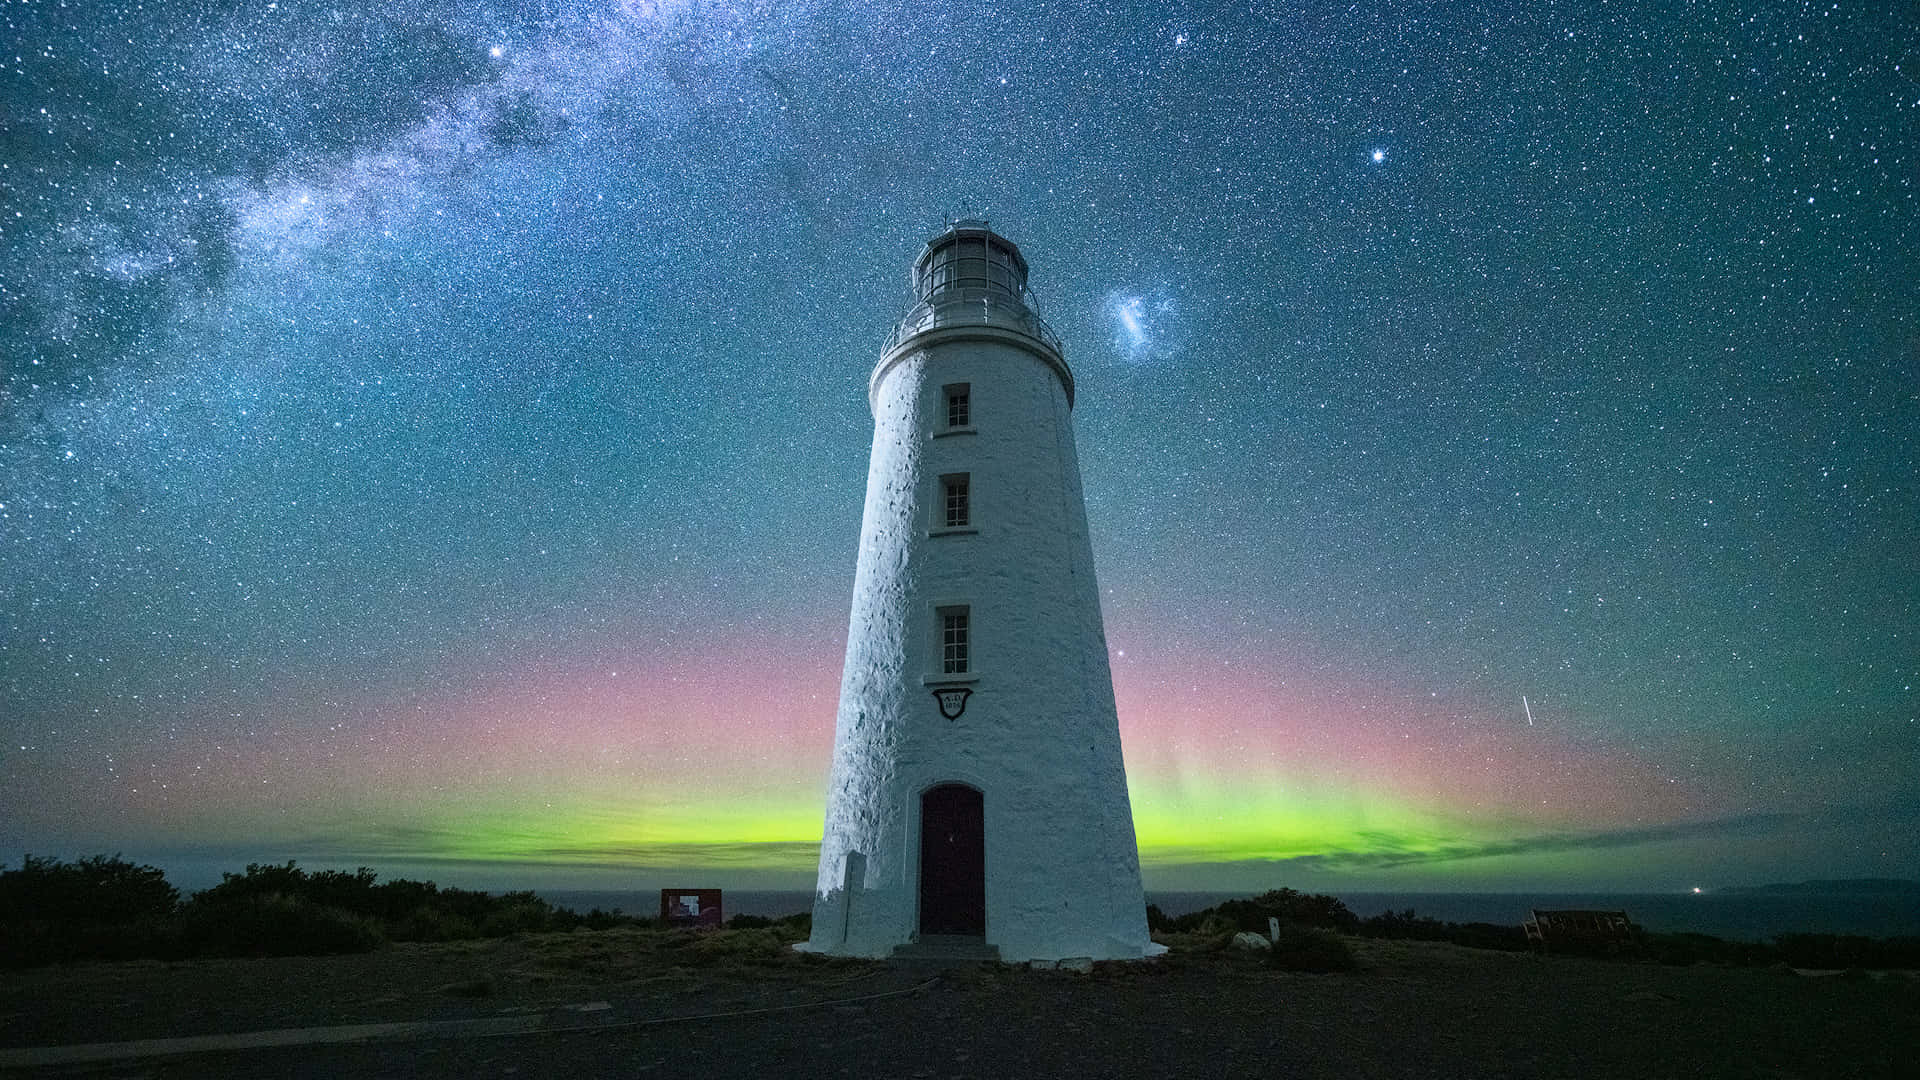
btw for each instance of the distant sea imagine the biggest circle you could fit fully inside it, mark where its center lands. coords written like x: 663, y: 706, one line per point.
x: 1726, y: 915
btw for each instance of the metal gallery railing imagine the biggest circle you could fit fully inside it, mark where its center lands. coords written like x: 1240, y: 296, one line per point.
x: 972, y: 307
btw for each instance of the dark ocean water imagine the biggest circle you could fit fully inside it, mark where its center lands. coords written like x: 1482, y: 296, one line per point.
x: 1737, y: 917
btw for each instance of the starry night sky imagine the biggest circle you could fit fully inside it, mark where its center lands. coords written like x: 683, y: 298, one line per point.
x: 434, y: 431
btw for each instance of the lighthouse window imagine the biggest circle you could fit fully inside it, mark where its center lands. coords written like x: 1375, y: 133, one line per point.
x: 954, y: 486
x: 959, y: 405
x: 953, y: 641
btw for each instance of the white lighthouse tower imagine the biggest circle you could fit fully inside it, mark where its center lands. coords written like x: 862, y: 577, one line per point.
x: 977, y: 788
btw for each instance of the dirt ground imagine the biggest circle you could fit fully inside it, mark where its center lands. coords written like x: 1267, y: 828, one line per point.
x: 622, y: 1003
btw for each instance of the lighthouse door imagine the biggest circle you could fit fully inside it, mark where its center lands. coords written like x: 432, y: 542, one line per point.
x: 953, y: 861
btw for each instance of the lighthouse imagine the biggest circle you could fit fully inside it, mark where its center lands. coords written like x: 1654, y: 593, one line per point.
x: 977, y: 799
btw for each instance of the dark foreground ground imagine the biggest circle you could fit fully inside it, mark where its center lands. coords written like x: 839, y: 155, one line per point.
x: 626, y: 1003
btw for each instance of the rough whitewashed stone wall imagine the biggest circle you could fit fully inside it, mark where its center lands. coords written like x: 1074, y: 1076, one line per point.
x: 1039, y: 737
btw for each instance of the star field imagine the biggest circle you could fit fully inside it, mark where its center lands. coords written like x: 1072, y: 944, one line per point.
x: 434, y: 432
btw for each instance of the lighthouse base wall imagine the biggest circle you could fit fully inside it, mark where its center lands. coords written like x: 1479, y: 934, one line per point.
x: 1062, y: 877
x: 879, y: 921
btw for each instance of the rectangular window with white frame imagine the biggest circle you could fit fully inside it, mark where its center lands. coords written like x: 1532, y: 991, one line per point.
x: 956, y: 503
x: 959, y: 401
x: 955, y: 641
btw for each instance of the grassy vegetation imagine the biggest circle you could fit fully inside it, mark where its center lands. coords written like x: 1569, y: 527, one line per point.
x: 1309, y: 922
x: 106, y: 908
x: 103, y: 908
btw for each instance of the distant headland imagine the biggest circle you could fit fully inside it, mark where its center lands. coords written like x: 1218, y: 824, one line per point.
x: 1828, y: 887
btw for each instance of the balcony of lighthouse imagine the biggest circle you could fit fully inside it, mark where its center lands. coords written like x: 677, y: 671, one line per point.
x: 971, y: 276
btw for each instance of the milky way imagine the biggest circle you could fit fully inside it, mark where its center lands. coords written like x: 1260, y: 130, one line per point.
x: 434, y: 432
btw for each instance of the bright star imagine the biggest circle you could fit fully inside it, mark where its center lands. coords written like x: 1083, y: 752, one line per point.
x: 1379, y: 155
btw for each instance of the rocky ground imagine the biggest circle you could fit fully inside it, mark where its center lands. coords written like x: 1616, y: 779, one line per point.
x: 739, y: 1004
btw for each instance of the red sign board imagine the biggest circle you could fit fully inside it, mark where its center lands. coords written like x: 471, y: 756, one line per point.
x: 690, y: 907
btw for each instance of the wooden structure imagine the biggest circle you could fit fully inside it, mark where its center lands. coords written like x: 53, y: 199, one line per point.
x: 1580, y: 930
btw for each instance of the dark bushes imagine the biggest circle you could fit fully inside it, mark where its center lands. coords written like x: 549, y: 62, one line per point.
x: 1287, y: 905
x: 1309, y: 937
x: 98, y: 908
x: 1307, y: 948
x: 596, y: 919
x: 109, y: 909
x: 1409, y: 926
x: 1405, y: 926
x: 1303, y: 909
x: 1158, y: 922
x: 94, y: 890
x: 398, y: 910
x: 275, y: 924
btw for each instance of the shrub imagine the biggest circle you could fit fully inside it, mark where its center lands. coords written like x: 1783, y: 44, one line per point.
x: 259, y: 880
x: 403, y: 910
x: 1159, y: 922
x: 96, y: 889
x: 1307, y: 909
x: 1217, y: 925
x: 97, y: 908
x: 1405, y: 925
x: 1307, y: 948
x: 515, y: 913
x: 275, y: 924
x: 1287, y: 905
x: 429, y: 923
x: 607, y: 920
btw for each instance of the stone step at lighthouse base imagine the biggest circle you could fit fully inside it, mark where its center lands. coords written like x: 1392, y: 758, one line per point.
x: 945, y: 951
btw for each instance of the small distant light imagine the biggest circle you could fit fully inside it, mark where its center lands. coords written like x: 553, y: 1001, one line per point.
x: 496, y: 52
x: 1379, y: 155
x: 1696, y: 890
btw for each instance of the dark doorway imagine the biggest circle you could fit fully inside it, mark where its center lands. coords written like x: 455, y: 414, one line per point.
x: 953, y: 861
